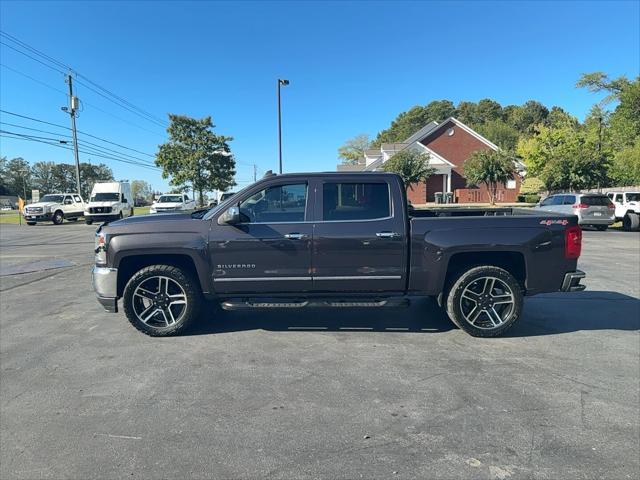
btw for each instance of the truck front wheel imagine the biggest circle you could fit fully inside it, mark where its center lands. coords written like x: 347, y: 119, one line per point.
x: 161, y: 300
x: 58, y: 217
x: 485, y: 301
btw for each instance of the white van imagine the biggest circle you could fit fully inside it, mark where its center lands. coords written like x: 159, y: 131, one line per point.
x: 109, y: 201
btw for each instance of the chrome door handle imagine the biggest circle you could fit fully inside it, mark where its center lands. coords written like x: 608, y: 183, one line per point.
x: 295, y: 236
x: 387, y: 235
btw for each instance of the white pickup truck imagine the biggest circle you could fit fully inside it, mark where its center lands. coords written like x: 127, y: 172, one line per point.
x: 173, y: 202
x: 55, y: 207
x: 627, y: 208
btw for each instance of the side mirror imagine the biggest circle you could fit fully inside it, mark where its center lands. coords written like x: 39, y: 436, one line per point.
x: 124, y: 200
x: 230, y: 217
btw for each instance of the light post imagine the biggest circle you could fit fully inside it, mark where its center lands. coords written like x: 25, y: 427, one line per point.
x: 285, y: 83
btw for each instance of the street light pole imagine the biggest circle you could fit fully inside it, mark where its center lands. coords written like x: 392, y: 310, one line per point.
x: 280, y: 82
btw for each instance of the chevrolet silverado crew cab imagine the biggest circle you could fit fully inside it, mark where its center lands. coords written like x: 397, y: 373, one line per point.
x: 55, y: 207
x: 336, y: 240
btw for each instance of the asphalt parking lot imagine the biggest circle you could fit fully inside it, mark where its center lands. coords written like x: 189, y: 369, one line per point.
x: 320, y: 394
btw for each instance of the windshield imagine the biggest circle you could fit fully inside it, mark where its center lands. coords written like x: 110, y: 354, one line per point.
x: 170, y: 199
x: 633, y: 197
x: 52, y: 198
x: 105, y: 197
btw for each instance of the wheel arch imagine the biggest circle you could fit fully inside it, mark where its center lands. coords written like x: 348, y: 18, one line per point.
x: 511, y: 261
x: 129, y: 265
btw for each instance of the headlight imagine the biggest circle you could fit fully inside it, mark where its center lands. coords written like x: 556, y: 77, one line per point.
x: 101, y: 248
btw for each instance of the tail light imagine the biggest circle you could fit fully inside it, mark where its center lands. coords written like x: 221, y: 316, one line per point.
x: 611, y: 206
x: 572, y: 242
x: 580, y: 205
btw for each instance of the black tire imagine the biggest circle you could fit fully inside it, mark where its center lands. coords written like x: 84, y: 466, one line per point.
x: 131, y: 215
x: 631, y: 222
x: 601, y: 228
x: 87, y: 221
x: 136, y: 305
x: 31, y: 224
x: 120, y: 216
x: 58, y: 217
x: 459, y: 306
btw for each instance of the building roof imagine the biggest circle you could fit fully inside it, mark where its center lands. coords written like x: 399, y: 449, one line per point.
x: 458, y: 123
x: 423, y: 132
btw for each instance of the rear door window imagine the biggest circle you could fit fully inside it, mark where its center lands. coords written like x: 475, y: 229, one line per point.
x: 77, y: 198
x: 355, y: 201
x: 569, y: 199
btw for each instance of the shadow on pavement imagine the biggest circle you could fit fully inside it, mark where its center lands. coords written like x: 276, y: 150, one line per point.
x: 555, y: 313
x: 547, y: 314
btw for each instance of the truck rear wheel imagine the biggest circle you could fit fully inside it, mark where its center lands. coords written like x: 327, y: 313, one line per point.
x: 161, y: 300
x: 88, y: 221
x: 485, y: 301
x: 631, y: 222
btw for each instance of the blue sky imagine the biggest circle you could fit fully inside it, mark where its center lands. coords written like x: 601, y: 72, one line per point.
x: 353, y: 67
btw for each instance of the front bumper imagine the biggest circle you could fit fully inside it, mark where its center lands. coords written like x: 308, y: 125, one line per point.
x: 38, y: 217
x: 105, y: 283
x: 101, y: 217
x: 571, y: 281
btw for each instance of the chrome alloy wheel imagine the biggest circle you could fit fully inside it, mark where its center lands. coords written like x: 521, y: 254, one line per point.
x: 159, y: 302
x: 487, y: 303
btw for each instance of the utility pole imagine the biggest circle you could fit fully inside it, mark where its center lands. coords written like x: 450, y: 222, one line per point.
x: 73, y: 106
x: 280, y: 82
x: 255, y: 172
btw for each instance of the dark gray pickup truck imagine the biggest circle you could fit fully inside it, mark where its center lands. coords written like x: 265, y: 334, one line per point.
x: 334, y: 240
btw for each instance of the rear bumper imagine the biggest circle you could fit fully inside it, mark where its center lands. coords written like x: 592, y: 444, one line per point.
x: 596, y: 220
x: 105, y: 283
x: 572, y: 280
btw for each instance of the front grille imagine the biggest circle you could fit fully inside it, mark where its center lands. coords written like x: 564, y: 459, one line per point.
x: 100, y: 210
x: 34, y: 209
x: 165, y: 209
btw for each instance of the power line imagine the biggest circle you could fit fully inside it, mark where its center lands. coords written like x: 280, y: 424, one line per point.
x: 32, y: 78
x: 79, y: 131
x: 52, y: 141
x: 95, y: 146
x: 107, y: 94
x: 82, y: 102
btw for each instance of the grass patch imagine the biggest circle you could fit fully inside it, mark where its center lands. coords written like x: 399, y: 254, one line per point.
x: 10, y: 216
x: 141, y: 210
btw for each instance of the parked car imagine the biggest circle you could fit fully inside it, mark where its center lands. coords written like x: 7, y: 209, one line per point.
x: 177, y: 202
x: 109, y: 201
x: 593, y: 209
x: 627, y: 206
x: 55, y: 208
x: 335, y: 240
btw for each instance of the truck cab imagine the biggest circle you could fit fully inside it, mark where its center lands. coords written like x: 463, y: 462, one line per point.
x: 109, y: 201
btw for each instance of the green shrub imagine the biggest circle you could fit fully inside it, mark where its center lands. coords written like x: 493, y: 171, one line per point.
x: 529, y: 198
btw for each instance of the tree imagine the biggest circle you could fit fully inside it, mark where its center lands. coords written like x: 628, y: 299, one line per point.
x: 563, y: 158
x: 411, y: 165
x: 195, y: 154
x: 42, y: 176
x: 91, y: 174
x: 491, y: 168
x: 353, y: 149
x: 625, y: 167
x: 16, y: 176
x: 531, y: 185
x: 141, y: 189
x: 497, y: 131
x: 526, y: 117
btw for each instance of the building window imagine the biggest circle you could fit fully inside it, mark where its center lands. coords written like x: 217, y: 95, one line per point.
x: 511, y: 184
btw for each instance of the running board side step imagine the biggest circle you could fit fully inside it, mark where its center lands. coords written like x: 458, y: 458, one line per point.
x: 256, y: 303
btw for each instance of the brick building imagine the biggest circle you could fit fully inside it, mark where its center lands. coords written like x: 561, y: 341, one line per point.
x: 449, y: 144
